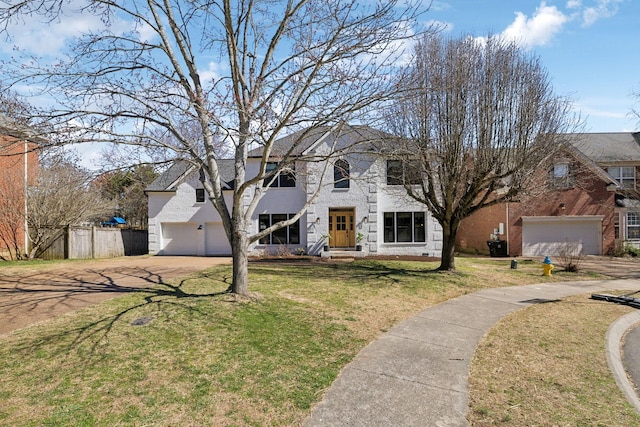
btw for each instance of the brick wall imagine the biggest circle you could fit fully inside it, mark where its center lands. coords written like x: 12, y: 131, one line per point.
x: 12, y: 188
x: 588, y: 196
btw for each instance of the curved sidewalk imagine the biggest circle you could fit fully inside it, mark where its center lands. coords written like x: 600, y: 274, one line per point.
x: 417, y: 373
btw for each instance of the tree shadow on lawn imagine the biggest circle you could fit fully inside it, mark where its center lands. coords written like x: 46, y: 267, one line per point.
x: 62, y: 292
x: 43, y: 296
x: 364, y: 271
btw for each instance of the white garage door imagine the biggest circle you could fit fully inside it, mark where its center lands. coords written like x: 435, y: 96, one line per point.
x: 216, y: 242
x: 179, y: 238
x: 542, y: 236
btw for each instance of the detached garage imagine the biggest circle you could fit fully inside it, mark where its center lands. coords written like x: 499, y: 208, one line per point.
x: 547, y: 235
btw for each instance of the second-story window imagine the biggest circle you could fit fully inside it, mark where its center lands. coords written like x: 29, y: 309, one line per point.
x: 286, y: 177
x: 625, y: 175
x: 561, y: 176
x: 341, y: 174
x: 199, y: 195
x: 400, y: 172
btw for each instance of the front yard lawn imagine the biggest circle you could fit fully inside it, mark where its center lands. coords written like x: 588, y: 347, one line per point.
x: 185, y: 353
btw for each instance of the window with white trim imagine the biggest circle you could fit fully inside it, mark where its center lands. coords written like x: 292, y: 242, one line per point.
x: 283, y: 236
x: 625, y: 175
x: 633, y: 226
x: 341, y: 174
x: 404, y: 227
x: 561, y: 175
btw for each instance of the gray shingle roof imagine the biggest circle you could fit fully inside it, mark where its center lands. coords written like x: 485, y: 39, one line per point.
x: 180, y: 169
x: 304, y: 139
x: 176, y: 171
x: 606, y: 148
x: 13, y: 128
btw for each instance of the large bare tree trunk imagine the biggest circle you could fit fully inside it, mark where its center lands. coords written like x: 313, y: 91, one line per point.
x: 447, y: 260
x: 240, y: 279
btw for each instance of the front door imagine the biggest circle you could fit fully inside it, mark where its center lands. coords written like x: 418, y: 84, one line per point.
x: 341, y: 228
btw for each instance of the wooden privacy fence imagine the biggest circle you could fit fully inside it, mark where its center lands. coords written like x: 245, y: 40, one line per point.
x: 97, y: 242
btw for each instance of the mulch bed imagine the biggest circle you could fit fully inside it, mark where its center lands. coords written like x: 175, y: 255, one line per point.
x: 316, y: 259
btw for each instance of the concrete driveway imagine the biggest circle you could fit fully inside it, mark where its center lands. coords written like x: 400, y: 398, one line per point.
x: 32, y: 295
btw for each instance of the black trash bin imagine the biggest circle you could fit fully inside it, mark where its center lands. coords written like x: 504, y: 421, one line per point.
x: 497, y: 248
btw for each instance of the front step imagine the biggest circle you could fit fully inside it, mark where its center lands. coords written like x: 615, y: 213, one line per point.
x: 342, y: 254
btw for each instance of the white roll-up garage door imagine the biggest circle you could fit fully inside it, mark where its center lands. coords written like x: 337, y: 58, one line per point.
x: 543, y: 235
x: 216, y: 242
x: 179, y: 238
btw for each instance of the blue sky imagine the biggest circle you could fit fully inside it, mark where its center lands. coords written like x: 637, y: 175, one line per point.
x: 591, y: 48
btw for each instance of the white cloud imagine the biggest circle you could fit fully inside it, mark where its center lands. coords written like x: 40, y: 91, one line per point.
x: 539, y: 30
x: 438, y: 6
x: 549, y: 21
x: 442, y: 26
x: 44, y: 38
x: 39, y: 36
x: 211, y: 74
x: 602, y: 9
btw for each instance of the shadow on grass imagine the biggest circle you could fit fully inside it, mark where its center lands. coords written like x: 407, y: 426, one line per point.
x: 363, y: 271
x: 60, y: 292
x: 42, y: 296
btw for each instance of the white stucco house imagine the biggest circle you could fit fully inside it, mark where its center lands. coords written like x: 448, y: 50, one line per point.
x: 358, y: 203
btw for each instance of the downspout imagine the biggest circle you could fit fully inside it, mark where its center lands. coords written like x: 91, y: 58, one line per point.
x: 26, y: 209
x: 506, y: 231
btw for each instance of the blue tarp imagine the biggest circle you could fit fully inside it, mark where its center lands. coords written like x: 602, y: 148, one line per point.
x: 116, y: 220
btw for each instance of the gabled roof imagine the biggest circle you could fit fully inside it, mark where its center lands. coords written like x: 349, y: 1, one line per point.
x: 593, y: 166
x: 305, y: 140
x: 609, y: 148
x: 13, y: 128
x: 180, y: 169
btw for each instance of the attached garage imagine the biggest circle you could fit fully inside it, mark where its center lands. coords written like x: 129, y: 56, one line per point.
x: 179, y: 238
x: 216, y: 242
x: 548, y: 235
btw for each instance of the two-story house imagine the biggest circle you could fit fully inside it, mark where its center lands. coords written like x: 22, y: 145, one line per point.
x: 18, y: 165
x: 589, y: 201
x: 356, y: 201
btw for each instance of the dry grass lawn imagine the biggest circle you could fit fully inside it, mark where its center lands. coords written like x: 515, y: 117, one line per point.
x: 205, y: 359
x: 546, y: 366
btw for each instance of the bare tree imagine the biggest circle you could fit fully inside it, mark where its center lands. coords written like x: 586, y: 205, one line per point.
x: 11, y: 214
x: 477, y: 120
x: 126, y: 189
x: 283, y: 65
x: 61, y: 197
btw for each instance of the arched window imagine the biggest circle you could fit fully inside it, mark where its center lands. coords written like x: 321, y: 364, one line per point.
x: 341, y: 174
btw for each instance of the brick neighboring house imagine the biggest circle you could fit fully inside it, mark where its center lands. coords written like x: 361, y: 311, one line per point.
x: 18, y: 167
x: 591, y: 201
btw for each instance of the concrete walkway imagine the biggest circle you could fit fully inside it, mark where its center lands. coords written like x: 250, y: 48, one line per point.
x: 417, y: 373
